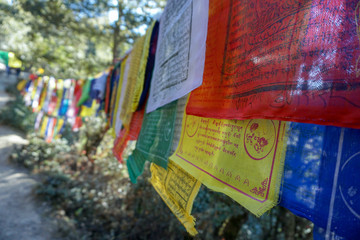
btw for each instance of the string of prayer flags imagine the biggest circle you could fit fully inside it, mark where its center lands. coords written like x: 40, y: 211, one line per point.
x: 321, y: 179
x: 241, y: 158
x: 179, y: 61
x: 178, y: 190
x: 285, y: 60
x: 241, y: 70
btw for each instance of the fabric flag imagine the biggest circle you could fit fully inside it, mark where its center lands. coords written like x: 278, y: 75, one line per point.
x: 37, y: 94
x: 99, y: 85
x: 181, y: 104
x: 141, y: 69
x: 120, y: 94
x: 67, y: 96
x: 73, y: 109
x: 321, y: 179
x: 302, y: 168
x: 89, y: 111
x: 108, y: 91
x: 49, y: 93
x: 50, y: 130
x: 47, y: 127
x: 178, y: 189
x: 77, y: 124
x: 134, y: 84
x: 29, y: 90
x: 44, y: 124
x: 85, y: 92
x: 38, y: 120
x: 286, y: 60
x: 114, y: 82
x: 21, y: 85
x: 179, y: 62
x: 154, y: 141
x: 127, y: 135
x: 14, y: 62
x: 241, y: 158
x: 60, y: 95
x: 43, y: 94
x: 34, y: 88
x: 150, y: 62
x: 4, y: 58
x: 59, y: 126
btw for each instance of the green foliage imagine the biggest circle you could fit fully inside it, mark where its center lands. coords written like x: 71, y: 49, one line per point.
x: 92, y: 198
x: 17, y: 115
x: 69, y: 135
x: 72, y: 38
x: 38, y: 154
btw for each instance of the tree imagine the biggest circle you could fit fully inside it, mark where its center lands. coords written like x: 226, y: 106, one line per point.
x: 71, y: 38
x: 132, y: 15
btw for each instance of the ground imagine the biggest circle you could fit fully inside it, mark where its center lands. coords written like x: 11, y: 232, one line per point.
x: 21, y: 216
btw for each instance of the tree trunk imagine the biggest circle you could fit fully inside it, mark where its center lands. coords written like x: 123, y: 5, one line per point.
x: 117, y: 32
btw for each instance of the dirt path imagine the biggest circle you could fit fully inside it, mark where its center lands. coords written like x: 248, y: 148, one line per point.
x: 21, y: 217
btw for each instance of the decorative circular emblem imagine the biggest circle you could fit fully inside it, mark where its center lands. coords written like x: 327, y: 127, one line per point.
x: 259, y: 138
x: 348, y: 184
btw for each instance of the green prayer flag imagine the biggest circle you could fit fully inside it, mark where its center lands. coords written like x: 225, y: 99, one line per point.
x: 4, y: 58
x: 155, y: 140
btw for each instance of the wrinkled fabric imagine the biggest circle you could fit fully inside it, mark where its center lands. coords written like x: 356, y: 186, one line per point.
x: 154, y: 141
x: 99, y: 86
x: 85, y: 93
x: 178, y: 190
x: 134, y: 84
x: 321, y: 179
x: 149, y: 65
x: 128, y: 134
x: 180, y: 57
x: 286, y: 60
x: 240, y: 158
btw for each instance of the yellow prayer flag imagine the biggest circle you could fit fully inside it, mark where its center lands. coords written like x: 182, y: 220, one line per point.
x: 133, y: 84
x: 178, y: 189
x: 14, y: 62
x: 89, y: 111
x: 142, y: 68
x: 43, y: 126
x: 117, y: 96
x: 59, y: 92
x: 60, y: 124
x: 242, y: 158
x: 20, y: 86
